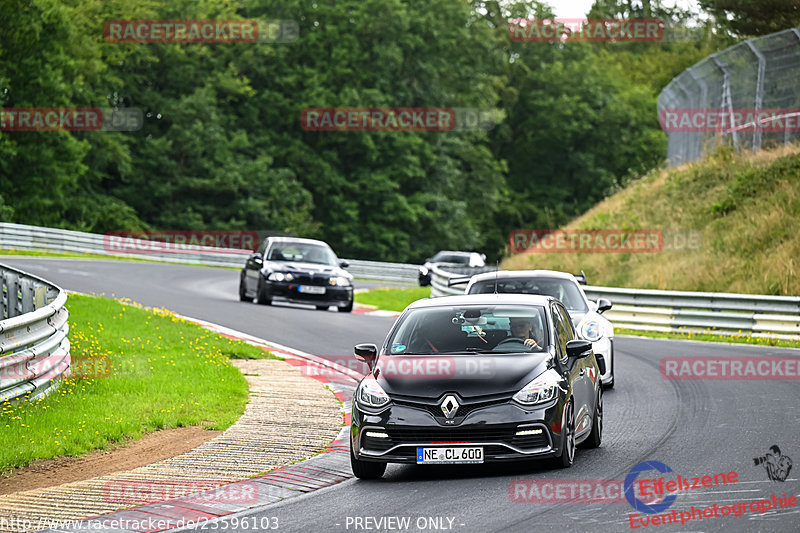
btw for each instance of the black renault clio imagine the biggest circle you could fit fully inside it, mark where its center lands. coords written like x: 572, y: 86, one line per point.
x: 474, y: 379
x: 296, y: 270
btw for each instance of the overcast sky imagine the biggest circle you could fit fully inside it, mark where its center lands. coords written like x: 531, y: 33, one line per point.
x: 579, y: 8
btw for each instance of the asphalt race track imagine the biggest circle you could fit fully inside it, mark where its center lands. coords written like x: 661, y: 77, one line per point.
x: 695, y: 427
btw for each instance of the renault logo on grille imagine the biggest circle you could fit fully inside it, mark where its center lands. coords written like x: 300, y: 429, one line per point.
x: 449, y: 406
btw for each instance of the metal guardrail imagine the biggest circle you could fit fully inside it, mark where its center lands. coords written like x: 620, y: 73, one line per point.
x: 34, y: 348
x: 35, y: 238
x: 671, y: 311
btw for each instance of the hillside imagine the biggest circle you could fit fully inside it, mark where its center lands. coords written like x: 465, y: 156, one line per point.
x: 747, y: 208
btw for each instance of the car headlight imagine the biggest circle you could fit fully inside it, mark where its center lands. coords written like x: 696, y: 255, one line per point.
x: 423, y: 271
x: 280, y: 276
x: 542, y: 389
x: 340, y: 281
x: 591, y: 331
x: 371, y: 394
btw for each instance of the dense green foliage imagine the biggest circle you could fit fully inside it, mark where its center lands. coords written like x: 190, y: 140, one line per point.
x: 222, y: 146
x: 749, y: 18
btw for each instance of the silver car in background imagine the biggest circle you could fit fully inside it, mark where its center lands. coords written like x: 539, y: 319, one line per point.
x: 585, y: 314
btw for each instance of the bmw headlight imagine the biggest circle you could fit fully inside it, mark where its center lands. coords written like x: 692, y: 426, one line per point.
x: 591, y: 331
x: 371, y: 394
x: 340, y: 281
x: 280, y: 276
x: 542, y: 389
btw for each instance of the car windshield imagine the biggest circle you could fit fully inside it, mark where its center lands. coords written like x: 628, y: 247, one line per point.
x: 471, y: 329
x: 565, y: 290
x: 301, y: 252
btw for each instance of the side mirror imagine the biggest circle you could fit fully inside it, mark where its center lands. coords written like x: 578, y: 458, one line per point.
x: 367, y: 353
x: 344, y: 264
x: 256, y: 257
x: 579, y: 348
x: 603, y: 304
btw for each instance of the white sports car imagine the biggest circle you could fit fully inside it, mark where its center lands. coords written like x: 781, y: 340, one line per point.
x: 586, y: 315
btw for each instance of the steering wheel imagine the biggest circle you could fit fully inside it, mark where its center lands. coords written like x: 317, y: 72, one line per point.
x: 511, y: 340
x: 518, y: 340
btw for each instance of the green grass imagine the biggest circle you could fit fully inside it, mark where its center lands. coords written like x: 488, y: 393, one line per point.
x: 733, y: 339
x: 392, y: 299
x: 137, y: 370
x: 79, y: 255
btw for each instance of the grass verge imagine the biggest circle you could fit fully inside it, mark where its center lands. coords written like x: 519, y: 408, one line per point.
x: 392, y: 299
x: 710, y: 337
x: 136, y: 370
x: 731, y: 224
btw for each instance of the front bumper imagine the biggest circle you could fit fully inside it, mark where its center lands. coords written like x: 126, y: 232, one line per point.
x: 605, y: 347
x: 494, y: 427
x: 290, y: 292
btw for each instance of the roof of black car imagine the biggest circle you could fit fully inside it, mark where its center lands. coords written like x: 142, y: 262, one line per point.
x: 483, y: 299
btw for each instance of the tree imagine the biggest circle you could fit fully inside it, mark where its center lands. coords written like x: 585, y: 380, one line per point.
x: 747, y: 18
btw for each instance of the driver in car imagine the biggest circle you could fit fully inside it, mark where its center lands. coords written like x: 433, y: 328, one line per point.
x: 522, y: 328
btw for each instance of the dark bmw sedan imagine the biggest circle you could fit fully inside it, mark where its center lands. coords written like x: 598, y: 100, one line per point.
x: 303, y: 271
x: 473, y: 379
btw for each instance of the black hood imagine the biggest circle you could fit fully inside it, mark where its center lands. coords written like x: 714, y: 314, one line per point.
x: 429, y: 376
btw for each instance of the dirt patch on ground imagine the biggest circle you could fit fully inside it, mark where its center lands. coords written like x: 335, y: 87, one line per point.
x: 149, y: 449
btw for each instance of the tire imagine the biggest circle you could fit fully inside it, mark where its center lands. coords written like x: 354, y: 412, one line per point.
x: 366, y: 469
x: 568, y: 448
x: 243, y: 293
x: 262, y: 299
x: 347, y: 309
x: 322, y: 308
x: 596, y: 436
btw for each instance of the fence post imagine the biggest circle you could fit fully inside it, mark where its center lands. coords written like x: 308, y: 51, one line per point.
x: 726, y: 96
x: 762, y: 65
